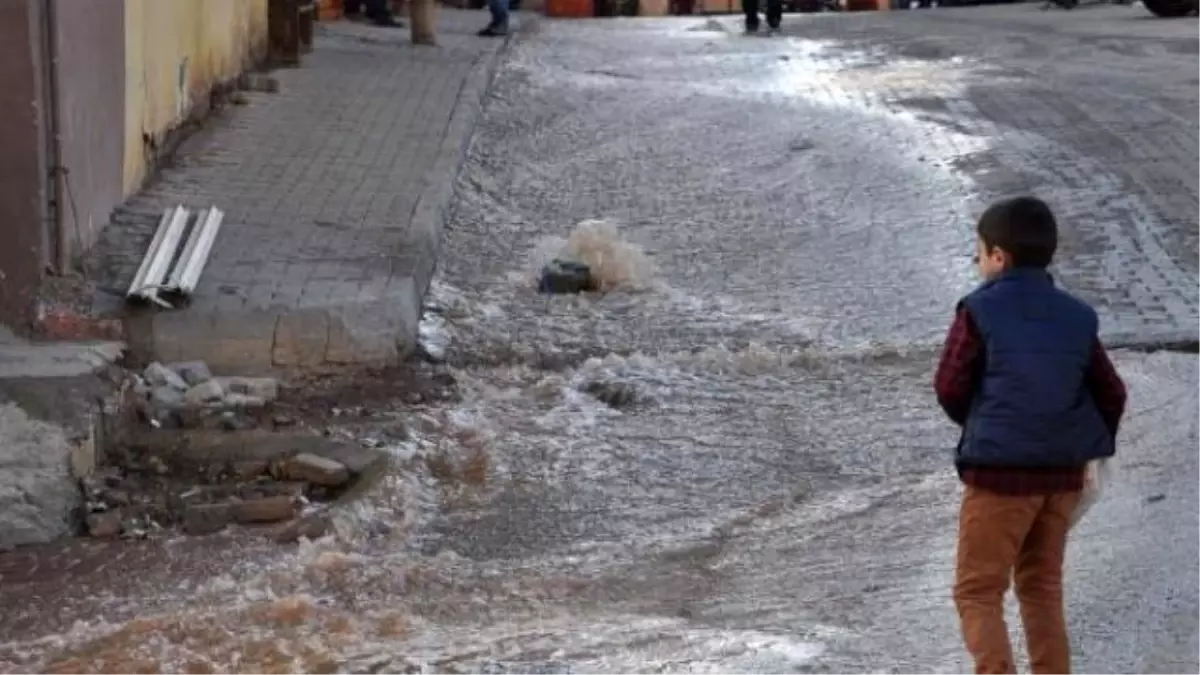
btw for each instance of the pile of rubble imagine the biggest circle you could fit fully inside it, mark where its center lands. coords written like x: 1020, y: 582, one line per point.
x: 151, y: 497
x: 188, y: 396
x: 207, y: 453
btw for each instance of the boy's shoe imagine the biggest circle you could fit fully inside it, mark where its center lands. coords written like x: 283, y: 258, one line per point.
x: 751, y: 28
x: 493, y: 31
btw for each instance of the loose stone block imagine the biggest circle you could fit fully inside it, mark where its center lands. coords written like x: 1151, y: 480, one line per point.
x: 265, y: 388
x: 265, y: 509
x: 104, y: 525
x: 192, y: 372
x: 206, y: 518
x: 205, y: 393
x: 159, y: 375
x: 317, y: 470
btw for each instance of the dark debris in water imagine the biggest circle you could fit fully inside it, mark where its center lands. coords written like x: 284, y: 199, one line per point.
x: 566, y: 277
x: 613, y: 394
x: 801, y: 144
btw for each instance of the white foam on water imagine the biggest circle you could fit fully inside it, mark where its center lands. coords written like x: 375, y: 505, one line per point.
x: 715, y: 651
x: 505, y: 411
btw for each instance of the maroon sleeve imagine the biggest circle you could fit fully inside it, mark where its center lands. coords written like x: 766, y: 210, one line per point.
x: 957, y: 371
x: 1106, y: 387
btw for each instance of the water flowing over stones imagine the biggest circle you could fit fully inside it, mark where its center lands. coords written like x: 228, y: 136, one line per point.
x: 728, y: 459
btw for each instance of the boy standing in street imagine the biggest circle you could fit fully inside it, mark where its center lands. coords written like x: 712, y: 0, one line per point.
x: 1024, y: 374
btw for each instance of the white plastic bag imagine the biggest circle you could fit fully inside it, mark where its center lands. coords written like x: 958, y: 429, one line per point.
x: 1095, y: 479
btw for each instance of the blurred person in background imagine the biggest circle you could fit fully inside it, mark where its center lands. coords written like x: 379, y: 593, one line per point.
x: 774, y: 14
x: 499, y: 24
x: 376, y: 11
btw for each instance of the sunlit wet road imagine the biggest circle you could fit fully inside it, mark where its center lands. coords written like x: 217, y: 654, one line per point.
x: 777, y: 496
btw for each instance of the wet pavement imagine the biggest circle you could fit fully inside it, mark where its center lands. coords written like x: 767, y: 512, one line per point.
x: 770, y: 491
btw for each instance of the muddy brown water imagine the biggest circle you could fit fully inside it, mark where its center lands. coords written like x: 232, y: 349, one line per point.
x: 775, y: 494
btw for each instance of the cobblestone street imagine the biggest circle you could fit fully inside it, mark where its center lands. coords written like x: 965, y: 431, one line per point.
x: 733, y: 461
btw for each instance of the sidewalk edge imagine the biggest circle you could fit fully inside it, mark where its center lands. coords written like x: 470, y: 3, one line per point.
x: 432, y: 209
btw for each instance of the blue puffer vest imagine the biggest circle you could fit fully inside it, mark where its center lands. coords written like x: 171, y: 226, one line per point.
x: 1033, y: 408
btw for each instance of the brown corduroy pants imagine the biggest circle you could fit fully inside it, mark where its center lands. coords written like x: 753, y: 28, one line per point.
x: 1022, y: 538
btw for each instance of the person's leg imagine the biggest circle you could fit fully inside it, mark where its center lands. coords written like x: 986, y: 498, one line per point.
x: 499, y: 23
x: 774, y: 13
x: 750, y: 8
x: 991, y: 530
x: 1039, y: 586
x: 352, y: 7
x: 379, y: 13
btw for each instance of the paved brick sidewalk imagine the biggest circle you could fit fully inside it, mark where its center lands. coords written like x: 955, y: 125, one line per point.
x: 333, y: 190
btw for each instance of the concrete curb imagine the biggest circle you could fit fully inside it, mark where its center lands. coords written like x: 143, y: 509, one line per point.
x: 428, y: 221
x: 431, y: 211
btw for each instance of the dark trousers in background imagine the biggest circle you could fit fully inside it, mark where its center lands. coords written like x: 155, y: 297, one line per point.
x: 499, y: 10
x: 372, y: 9
x: 774, y: 13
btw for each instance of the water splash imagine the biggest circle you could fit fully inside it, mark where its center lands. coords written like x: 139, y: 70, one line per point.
x: 616, y: 264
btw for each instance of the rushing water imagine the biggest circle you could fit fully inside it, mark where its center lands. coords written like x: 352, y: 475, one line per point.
x: 728, y: 461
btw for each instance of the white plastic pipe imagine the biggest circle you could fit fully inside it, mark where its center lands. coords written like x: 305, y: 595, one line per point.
x: 153, y: 271
x: 190, y: 266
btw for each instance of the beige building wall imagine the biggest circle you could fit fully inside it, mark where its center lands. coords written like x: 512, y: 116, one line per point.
x: 175, y: 51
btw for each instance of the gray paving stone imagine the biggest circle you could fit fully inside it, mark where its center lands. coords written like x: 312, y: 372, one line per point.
x: 329, y: 187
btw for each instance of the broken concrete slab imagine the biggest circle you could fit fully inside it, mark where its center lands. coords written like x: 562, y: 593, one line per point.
x: 38, y: 496
x: 56, y: 359
x: 205, y: 479
x: 52, y: 430
x: 197, y: 449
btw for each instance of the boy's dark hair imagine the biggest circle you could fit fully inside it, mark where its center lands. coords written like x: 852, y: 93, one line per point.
x: 1024, y: 227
